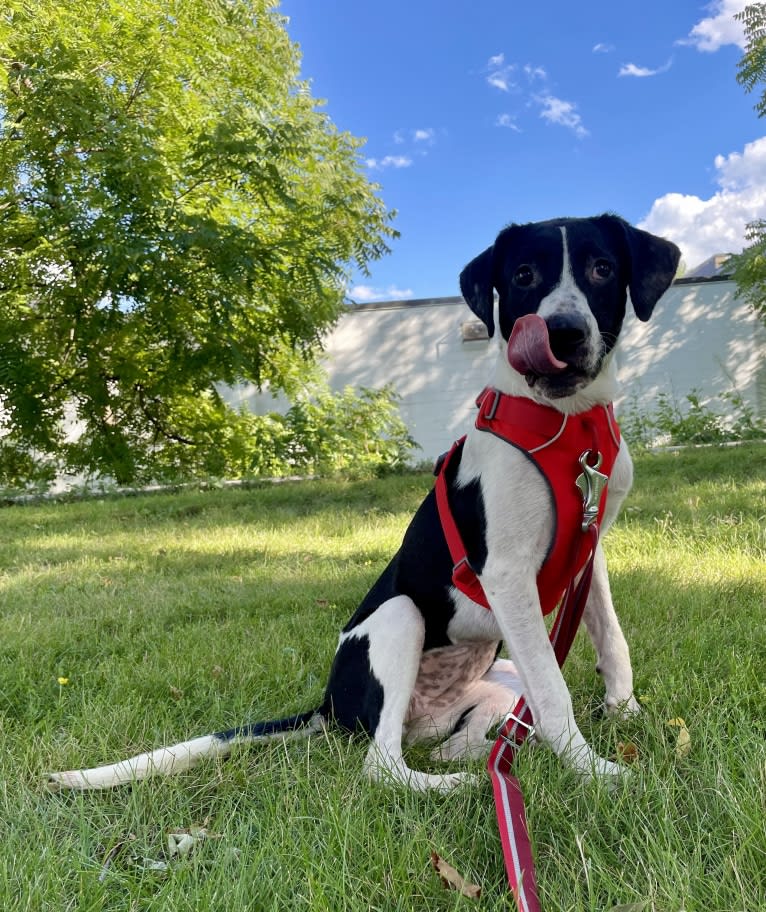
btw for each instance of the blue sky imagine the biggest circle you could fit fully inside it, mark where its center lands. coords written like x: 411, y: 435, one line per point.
x: 480, y: 114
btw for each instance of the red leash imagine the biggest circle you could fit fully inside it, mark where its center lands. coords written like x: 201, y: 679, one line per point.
x: 553, y: 442
x: 517, y: 728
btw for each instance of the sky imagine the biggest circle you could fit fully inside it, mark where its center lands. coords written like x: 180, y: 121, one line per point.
x: 479, y: 114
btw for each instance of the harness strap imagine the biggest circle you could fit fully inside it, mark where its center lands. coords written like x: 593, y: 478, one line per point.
x: 464, y: 576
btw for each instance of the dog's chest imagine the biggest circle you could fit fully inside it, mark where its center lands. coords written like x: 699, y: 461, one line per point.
x: 445, y: 674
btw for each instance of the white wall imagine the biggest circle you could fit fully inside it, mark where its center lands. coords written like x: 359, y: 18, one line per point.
x: 700, y: 336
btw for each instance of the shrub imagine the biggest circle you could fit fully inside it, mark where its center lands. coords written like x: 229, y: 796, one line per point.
x: 690, y: 422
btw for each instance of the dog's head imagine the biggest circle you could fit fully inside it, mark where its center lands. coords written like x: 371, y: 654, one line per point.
x: 563, y: 286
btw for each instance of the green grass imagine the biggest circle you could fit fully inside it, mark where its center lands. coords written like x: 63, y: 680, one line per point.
x: 172, y: 615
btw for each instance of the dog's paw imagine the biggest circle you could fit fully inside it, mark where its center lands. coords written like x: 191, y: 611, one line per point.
x: 622, y: 708
x: 392, y: 771
x: 608, y: 769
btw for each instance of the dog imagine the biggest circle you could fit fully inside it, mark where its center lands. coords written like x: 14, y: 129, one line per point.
x: 419, y: 659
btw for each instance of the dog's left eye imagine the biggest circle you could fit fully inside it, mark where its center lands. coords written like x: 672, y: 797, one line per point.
x: 601, y: 270
x: 524, y: 276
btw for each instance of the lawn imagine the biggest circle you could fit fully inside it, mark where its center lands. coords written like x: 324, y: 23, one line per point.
x: 131, y: 622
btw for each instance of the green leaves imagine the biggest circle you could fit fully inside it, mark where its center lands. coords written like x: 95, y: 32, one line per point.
x: 174, y: 212
x: 750, y: 266
x: 751, y: 69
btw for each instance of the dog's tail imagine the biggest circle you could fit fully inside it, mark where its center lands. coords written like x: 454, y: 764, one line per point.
x: 178, y: 757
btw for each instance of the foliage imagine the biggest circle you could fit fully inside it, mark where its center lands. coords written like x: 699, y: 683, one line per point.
x: 692, y: 422
x: 175, y: 212
x: 751, y: 69
x: 354, y: 432
x: 749, y: 267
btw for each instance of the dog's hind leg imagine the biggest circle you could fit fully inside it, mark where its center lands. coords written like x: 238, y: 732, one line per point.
x: 474, y: 720
x: 377, y: 696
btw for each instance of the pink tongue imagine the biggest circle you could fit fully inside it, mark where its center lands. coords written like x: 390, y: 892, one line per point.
x: 529, y: 349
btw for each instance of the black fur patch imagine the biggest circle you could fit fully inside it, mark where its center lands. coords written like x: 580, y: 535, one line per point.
x: 354, y: 696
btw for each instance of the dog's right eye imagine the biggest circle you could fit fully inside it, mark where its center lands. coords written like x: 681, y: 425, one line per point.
x: 524, y: 276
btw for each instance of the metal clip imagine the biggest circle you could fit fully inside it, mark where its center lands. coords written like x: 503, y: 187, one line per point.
x: 591, y: 484
x: 530, y: 736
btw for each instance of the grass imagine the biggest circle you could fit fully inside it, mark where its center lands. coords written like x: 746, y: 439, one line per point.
x: 173, y: 615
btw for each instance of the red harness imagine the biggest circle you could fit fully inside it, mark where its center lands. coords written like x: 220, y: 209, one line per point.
x: 561, y: 446
x: 555, y: 443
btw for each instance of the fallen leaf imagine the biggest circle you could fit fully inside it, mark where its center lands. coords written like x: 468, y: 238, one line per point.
x: 452, y: 879
x: 683, y: 741
x: 182, y: 840
x: 149, y: 864
x: 176, y: 693
x: 627, y: 751
x: 180, y: 844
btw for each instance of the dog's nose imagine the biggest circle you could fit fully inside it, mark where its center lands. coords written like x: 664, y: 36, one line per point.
x: 567, y: 333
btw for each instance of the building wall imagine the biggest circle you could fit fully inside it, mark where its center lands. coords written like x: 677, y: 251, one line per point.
x: 700, y: 337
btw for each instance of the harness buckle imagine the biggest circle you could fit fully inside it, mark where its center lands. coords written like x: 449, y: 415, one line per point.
x: 529, y: 738
x: 463, y: 571
x: 591, y: 484
x: 493, y: 407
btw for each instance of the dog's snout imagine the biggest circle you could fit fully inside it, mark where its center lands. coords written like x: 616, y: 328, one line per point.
x: 567, y: 333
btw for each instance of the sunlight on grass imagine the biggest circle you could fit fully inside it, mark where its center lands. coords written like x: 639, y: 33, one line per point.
x: 172, y: 615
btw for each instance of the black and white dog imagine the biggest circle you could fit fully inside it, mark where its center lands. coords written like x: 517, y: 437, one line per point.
x: 418, y: 660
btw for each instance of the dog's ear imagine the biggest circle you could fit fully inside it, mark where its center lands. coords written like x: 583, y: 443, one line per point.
x: 653, y: 265
x: 476, y: 287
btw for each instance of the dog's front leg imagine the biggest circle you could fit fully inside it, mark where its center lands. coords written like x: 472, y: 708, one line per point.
x: 516, y: 605
x: 613, y: 655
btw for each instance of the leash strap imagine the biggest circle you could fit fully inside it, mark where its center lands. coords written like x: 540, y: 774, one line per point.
x: 517, y: 728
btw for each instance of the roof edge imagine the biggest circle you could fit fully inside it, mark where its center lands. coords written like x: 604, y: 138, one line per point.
x: 408, y: 303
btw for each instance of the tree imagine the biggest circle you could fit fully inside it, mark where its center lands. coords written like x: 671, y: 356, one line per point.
x: 749, y: 267
x: 175, y: 213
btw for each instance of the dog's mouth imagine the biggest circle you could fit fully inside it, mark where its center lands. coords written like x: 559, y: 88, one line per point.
x: 530, y: 353
x: 529, y: 349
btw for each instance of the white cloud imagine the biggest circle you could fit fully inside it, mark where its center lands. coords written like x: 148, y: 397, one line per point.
x: 602, y: 48
x: 424, y: 135
x: 500, y: 73
x: 500, y: 80
x: 364, y: 294
x: 534, y: 72
x: 557, y: 111
x: 399, y: 137
x: 719, y: 28
x: 739, y: 170
x: 630, y: 69
x: 703, y: 227
x: 506, y: 120
x: 388, y: 161
x: 534, y: 87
